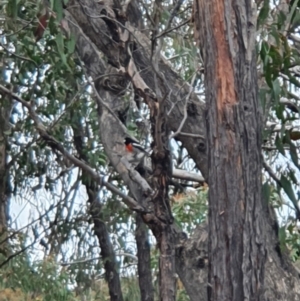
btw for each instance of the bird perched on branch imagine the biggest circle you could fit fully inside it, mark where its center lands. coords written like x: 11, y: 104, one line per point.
x: 135, y: 152
x: 133, y: 145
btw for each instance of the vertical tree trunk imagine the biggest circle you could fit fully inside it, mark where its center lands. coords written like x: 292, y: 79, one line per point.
x: 107, y: 251
x: 144, y: 260
x: 5, y: 108
x: 226, y: 32
x: 161, y: 173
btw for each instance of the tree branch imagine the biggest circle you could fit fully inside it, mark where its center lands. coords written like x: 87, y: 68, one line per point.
x: 185, y: 115
x: 187, y: 176
x: 130, y: 202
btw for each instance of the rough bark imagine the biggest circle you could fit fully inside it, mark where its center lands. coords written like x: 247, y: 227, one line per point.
x: 281, y: 278
x: 192, y: 262
x: 107, y: 251
x: 161, y: 175
x: 5, y: 108
x: 226, y: 31
x: 144, y: 260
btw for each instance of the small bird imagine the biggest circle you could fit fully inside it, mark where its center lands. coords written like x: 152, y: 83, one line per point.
x: 133, y: 146
x: 135, y: 152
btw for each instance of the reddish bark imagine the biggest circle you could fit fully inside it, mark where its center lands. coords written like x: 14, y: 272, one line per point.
x: 236, y: 228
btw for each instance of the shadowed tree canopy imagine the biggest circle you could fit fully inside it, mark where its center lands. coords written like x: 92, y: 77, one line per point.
x: 210, y: 89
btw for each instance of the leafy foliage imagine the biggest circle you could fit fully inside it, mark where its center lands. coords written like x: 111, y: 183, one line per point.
x: 49, y: 74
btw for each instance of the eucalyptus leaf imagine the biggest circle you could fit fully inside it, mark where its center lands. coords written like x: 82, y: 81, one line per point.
x: 263, y: 13
x: 279, y: 145
x: 58, y: 9
x: 288, y: 189
x: 266, y: 192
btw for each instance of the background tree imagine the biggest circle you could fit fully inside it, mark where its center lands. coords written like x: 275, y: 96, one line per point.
x: 100, y: 71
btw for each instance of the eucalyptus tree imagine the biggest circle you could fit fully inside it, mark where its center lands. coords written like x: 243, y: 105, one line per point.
x: 212, y: 85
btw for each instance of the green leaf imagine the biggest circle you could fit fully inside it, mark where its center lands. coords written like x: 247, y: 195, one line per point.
x: 286, y: 138
x: 263, y: 14
x: 291, y: 13
x: 288, y: 189
x: 276, y: 61
x: 282, y: 238
x: 266, y: 192
x: 269, y: 74
x: 59, y: 39
x: 58, y: 8
x: 279, y: 145
x: 296, y: 19
x: 293, y: 177
x: 276, y: 90
x: 12, y: 9
x: 281, y: 19
x: 262, y: 96
x: 275, y: 34
x: 264, y: 50
x: 294, y: 155
x: 71, y: 43
x: 291, y: 228
x: 131, y: 126
x: 279, y: 109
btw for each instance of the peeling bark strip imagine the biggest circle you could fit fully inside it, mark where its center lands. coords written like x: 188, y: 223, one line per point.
x: 224, y: 65
x: 236, y: 225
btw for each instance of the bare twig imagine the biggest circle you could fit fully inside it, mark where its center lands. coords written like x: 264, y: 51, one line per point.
x: 271, y: 173
x: 186, y: 175
x: 19, y: 30
x: 34, y: 85
x: 97, y: 258
x: 275, y: 127
x: 98, y: 97
x: 31, y: 223
x: 289, y: 104
x: 185, y: 115
x: 36, y: 238
x: 191, y: 135
x: 173, y: 28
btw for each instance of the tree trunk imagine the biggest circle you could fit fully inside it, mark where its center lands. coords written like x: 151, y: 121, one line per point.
x: 281, y: 279
x: 107, y: 251
x: 226, y: 32
x: 144, y: 260
x: 161, y: 174
x: 5, y: 108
